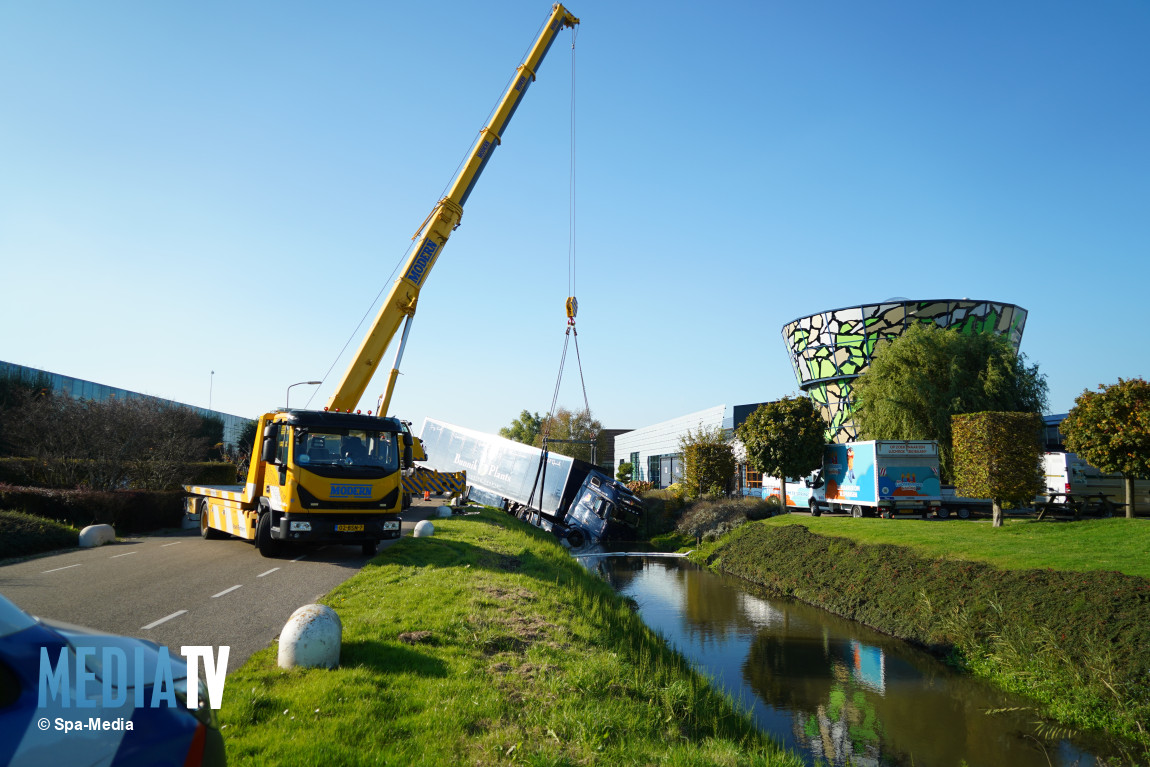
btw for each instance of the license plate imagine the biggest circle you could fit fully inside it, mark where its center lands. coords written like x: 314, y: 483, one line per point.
x: 349, y: 528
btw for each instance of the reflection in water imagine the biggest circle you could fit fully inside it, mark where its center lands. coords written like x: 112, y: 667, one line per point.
x: 829, y: 688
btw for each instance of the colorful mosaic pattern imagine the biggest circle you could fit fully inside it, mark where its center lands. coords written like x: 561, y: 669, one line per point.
x: 831, y: 349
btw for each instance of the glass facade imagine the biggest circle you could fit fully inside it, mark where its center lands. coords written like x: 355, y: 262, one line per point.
x: 829, y: 350
x: 90, y: 390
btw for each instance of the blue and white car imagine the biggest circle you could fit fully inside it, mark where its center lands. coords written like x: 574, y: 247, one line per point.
x: 125, y: 721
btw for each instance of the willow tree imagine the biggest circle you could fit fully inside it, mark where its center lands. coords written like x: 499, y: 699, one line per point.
x: 916, y: 382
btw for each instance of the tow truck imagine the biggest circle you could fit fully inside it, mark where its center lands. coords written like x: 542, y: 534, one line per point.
x: 337, y: 475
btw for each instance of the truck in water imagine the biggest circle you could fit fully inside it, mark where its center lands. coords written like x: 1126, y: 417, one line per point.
x: 883, y: 477
x: 571, y: 498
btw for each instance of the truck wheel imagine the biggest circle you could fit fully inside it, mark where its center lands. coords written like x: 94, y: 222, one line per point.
x: 857, y: 512
x: 944, y: 513
x: 268, y: 546
x: 816, y: 510
x: 207, y: 532
x: 963, y: 513
x: 576, y: 538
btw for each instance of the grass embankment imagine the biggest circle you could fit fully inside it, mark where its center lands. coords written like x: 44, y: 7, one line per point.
x: 1084, y: 546
x: 486, y: 643
x: 1078, y: 642
x: 24, y: 534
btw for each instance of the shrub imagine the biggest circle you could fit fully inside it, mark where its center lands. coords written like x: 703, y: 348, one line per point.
x: 215, y: 473
x: 24, y: 534
x: 708, y: 520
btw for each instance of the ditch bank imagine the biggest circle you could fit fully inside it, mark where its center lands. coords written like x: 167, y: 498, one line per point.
x: 1077, y: 643
x: 484, y: 644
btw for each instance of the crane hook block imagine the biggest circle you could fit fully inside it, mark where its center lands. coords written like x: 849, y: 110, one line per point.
x: 572, y: 309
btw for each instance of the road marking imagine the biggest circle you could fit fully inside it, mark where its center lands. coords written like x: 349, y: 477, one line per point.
x: 269, y: 572
x: 59, y: 568
x: 301, y: 556
x: 153, y: 624
x: 170, y: 544
x: 127, y: 554
x: 225, y: 591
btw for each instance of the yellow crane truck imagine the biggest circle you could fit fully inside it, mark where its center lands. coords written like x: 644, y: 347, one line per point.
x: 337, y: 475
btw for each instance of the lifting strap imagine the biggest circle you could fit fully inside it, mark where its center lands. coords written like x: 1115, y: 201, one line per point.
x: 541, y: 471
x: 572, y: 310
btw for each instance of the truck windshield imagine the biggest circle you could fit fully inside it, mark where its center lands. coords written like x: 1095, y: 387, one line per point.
x: 347, y: 447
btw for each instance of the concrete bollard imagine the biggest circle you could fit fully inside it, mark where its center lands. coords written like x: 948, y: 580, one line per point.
x: 311, y: 638
x: 444, y: 512
x: 424, y: 529
x: 96, y: 535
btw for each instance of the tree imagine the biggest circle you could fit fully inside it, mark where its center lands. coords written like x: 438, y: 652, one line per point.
x: 211, y: 431
x: 624, y: 472
x: 998, y: 456
x: 16, y: 393
x: 784, y: 439
x: 916, y: 382
x: 708, y: 461
x: 523, y: 429
x: 569, y: 433
x: 1110, y: 429
x: 108, y: 444
x: 240, y: 454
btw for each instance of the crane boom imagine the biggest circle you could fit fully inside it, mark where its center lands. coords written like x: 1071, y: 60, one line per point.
x: 399, y: 306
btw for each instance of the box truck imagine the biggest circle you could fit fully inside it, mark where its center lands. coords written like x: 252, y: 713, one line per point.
x: 884, y: 477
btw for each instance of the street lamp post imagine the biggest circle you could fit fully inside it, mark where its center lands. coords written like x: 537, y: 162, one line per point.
x: 287, y: 399
x: 211, y: 383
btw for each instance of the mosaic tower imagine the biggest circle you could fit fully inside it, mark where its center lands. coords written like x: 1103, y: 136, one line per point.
x: 829, y: 350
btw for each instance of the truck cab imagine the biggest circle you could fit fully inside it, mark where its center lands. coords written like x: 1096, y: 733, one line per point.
x: 319, y: 477
x: 602, y: 509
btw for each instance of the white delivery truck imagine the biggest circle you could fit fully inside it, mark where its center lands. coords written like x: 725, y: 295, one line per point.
x: 883, y: 477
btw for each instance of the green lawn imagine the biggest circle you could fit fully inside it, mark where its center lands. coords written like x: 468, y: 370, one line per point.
x: 486, y: 643
x: 1098, y: 544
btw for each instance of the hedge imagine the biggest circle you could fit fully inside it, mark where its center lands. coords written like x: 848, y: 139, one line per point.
x: 128, y: 511
x: 24, y: 534
x: 26, y: 472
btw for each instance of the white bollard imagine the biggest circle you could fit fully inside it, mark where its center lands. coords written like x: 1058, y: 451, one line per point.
x: 311, y: 638
x: 424, y: 529
x: 96, y: 535
x: 444, y: 512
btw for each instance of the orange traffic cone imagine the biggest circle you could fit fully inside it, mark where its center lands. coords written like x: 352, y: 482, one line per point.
x: 427, y: 495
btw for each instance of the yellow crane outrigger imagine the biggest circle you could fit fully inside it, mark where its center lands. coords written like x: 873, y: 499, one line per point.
x: 336, y: 475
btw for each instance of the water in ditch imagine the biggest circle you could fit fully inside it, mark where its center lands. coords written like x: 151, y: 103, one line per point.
x: 833, y: 690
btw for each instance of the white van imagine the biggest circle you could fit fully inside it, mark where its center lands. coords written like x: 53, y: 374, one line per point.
x: 1067, y: 473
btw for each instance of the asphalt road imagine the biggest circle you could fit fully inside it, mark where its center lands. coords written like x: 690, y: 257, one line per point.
x: 176, y: 589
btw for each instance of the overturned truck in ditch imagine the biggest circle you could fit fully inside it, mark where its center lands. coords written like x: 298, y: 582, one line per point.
x: 571, y: 498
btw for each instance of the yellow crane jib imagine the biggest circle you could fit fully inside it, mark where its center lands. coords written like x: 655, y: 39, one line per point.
x: 399, y: 306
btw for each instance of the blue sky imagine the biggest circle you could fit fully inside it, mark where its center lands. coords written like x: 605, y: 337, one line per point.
x: 189, y: 187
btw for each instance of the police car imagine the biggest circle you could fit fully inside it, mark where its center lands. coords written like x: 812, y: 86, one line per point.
x: 72, y: 696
